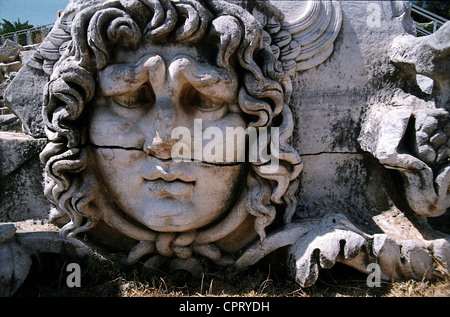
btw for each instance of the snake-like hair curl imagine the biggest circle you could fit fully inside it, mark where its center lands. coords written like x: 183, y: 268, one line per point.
x: 97, y: 30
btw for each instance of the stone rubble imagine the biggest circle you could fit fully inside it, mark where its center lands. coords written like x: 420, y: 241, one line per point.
x: 12, y: 57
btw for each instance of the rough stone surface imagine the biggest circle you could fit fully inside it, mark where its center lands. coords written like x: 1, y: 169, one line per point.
x: 26, y: 55
x: 7, y: 232
x: 9, y: 51
x: 9, y: 122
x: 11, y: 67
x: 24, y: 96
x: 21, y: 178
x: 364, y: 143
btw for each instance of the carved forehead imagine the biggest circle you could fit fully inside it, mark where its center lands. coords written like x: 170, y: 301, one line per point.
x: 167, y: 52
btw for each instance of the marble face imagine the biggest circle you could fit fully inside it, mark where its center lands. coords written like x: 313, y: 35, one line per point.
x: 141, y: 101
x: 161, y: 116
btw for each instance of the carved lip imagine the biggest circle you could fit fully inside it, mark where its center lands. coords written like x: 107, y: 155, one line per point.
x: 169, y: 184
x: 175, y: 189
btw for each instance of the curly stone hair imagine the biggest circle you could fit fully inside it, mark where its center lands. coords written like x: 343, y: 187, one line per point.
x: 104, y: 26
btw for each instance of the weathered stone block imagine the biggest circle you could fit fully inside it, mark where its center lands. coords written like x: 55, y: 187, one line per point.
x: 21, y: 178
x: 9, y: 122
x: 9, y: 51
x: 24, y: 96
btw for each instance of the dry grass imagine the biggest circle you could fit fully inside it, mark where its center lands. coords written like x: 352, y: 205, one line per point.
x: 101, y: 278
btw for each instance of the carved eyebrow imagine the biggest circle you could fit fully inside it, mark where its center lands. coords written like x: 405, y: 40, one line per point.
x: 121, y: 78
x: 208, y: 79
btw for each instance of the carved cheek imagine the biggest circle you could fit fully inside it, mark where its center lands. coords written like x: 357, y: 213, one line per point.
x: 107, y: 128
x: 228, y: 134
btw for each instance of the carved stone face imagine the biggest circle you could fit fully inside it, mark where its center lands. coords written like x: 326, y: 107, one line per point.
x: 139, y: 79
x: 142, y: 99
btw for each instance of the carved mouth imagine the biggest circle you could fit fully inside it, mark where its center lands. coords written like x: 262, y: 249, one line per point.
x: 175, y: 189
x: 174, y: 184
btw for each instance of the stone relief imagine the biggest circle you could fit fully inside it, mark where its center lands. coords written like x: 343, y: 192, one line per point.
x: 136, y: 100
x: 154, y: 73
x: 411, y: 133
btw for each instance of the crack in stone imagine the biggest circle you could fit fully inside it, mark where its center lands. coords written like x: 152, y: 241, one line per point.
x: 117, y: 147
x: 325, y: 152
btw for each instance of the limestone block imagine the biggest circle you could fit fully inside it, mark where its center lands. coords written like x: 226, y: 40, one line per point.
x: 354, y: 182
x: 25, y: 96
x: 327, y: 122
x: 9, y: 122
x: 21, y: 178
x: 9, y: 51
x: 16, y: 149
x: 26, y: 55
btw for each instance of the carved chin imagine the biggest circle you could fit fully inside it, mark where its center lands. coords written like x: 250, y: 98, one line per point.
x: 180, y: 218
x: 233, y: 230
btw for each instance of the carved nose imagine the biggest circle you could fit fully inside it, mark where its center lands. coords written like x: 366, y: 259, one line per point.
x: 160, y: 147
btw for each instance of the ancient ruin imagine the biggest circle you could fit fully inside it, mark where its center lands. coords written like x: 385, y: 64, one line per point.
x: 201, y: 134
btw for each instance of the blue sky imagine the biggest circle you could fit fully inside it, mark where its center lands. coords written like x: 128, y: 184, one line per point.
x: 36, y: 12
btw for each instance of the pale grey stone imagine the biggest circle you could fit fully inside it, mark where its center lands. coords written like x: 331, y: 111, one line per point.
x: 426, y: 153
x: 425, y: 83
x: 24, y: 96
x: 26, y: 55
x: 438, y: 139
x: 336, y: 90
x: 9, y: 122
x: 16, y: 149
x: 9, y: 51
x: 21, y: 178
x: 443, y: 154
x: 426, y: 123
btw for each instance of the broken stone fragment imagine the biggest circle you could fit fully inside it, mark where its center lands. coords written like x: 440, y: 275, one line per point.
x: 9, y: 122
x: 26, y: 55
x: 443, y: 154
x: 25, y: 96
x: 9, y: 51
x: 11, y: 67
x: 426, y: 123
x: 16, y: 149
x: 438, y: 139
x: 426, y: 153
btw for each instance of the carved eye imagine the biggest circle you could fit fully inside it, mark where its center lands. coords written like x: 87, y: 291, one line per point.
x: 136, y: 99
x: 193, y: 99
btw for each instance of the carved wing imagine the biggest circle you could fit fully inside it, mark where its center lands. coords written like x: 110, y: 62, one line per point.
x: 306, y: 36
